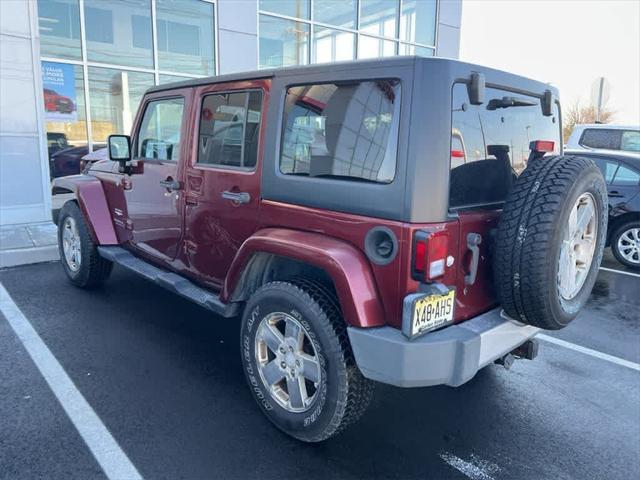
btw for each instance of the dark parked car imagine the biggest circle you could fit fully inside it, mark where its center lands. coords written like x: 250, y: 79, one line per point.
x: 323, y: 208
x: 69, y: 161
x: 622, y: 174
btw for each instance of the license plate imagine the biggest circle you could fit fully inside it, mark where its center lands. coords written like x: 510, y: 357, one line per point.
x: 431, y: 312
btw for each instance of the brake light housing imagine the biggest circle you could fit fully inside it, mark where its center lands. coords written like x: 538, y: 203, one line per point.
x: 430, y: 251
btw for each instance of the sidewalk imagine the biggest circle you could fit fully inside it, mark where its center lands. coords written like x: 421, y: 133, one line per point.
x: 30, y: 243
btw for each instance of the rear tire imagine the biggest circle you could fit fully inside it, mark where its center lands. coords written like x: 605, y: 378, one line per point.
x: 79, y: 255
x: 545, y: 266
x: 336, y: 394
x: 625, y: 244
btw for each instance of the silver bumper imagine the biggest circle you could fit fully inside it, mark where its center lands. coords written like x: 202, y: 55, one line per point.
x: 450, y: 356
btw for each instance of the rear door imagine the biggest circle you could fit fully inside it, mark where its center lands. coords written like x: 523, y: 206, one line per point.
x: 490, y: 148
x: 222, y: 180
x: 152, y: 192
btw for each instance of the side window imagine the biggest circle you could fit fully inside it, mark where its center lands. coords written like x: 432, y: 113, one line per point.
x: 159, y: 135
x: 490, y: 144
x: 606, y: 138
x: 625, y: 177
x: 630, y: 141
x: 229, y: 129
x: 607, y: 168
x: 342, y: 131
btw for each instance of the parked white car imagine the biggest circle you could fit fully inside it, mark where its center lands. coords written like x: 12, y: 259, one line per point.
x: 597, y: 136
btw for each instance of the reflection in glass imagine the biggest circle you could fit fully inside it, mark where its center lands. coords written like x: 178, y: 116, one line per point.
x: 119, y: 32
x: 290, y: 8
x: 185, y: 36
x: 115, y: 96
x: 283, y: 42
x: 330, y: 45
x: 378, y: 17
x: 342, y: 131
x: 59, y: 22
x: 369, y: 47
x: 418, y: 21
x: 406, y: 49
x: 341, y: 13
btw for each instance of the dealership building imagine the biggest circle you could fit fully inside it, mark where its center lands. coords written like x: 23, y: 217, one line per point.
x: 74, y: 71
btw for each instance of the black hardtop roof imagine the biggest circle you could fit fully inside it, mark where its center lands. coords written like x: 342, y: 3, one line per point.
x: 383, y: 63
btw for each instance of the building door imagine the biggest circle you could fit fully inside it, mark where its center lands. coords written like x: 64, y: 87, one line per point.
x: 222, y: 181
x: 153, y: 196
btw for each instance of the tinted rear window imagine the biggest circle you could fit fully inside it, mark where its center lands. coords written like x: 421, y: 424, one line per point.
x: 611, y: 139
x: 345, y: 131
x: 490, y: 143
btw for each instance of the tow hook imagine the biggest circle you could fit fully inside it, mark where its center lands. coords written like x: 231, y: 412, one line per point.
x: 528, y: 350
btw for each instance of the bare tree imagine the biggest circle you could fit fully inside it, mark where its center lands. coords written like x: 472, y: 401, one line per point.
x: 578, y: 113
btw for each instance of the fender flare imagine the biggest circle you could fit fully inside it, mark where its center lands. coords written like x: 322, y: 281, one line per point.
x: 344, y: 263
x: 92, y: 201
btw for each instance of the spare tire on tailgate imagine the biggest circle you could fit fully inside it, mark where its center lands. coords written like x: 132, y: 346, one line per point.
x: 550, y: 240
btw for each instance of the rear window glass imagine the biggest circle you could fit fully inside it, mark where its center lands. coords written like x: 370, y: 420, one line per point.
x: 490, y: 143
x: 611, y: 139
x: 345, y: 131
x: 625, y: 177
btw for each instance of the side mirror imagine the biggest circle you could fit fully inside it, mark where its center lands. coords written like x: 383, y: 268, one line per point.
x: 119, y: 148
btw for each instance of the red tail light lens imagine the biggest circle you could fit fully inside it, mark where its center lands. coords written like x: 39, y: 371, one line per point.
x: 430, y: 252
x: 542, y: 146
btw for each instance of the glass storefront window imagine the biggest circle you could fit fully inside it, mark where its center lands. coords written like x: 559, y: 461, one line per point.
x: 370, y: 47
x: 407, y: 49
x: 119, y: 32
x: 185, y: 36
x: 330, y: 45
x: 59, y: 22
x: 172, y: 78
x: 290, y: 8
x: 418, y: 21
x: 378, y: 17
x: 283, y: 42
x: 114, y: 97
x: 341, y: 13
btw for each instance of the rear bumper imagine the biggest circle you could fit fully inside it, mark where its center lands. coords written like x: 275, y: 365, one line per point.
x: 450, y: 356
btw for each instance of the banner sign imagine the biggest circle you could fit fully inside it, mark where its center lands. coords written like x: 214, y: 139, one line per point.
x: 59, y: 85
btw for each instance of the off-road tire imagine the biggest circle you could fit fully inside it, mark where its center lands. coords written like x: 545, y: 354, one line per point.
x: 344, y: 393
x: 94, y: 269
x: 529, y: 239
x: 615, y: 236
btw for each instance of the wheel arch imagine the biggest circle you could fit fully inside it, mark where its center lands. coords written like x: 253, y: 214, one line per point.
x: 89, y: 195
x: 282, y: 254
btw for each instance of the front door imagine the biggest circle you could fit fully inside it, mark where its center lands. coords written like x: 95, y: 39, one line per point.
x: 222, y: 181
x: 154, y: 203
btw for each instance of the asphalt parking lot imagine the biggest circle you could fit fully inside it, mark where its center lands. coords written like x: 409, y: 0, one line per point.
x: 164, y: 377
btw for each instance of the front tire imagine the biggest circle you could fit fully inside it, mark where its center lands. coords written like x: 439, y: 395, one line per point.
x: 79, y: 255
x: 298, y: 361
x: 625, y: 244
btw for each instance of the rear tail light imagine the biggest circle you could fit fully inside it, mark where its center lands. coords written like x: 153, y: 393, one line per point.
x: 542, y: 146
x: 430, y: 250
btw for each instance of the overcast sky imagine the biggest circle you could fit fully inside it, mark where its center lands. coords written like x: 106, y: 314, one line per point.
x: 566, y: 42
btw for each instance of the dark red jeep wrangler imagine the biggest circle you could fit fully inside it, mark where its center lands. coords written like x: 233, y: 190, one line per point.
x: 392, y: 220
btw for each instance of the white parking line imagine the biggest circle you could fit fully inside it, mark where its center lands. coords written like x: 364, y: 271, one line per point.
x: 587, y: 351
x: 113, y: 461
x: 475, y: 468
x: 622, y: 272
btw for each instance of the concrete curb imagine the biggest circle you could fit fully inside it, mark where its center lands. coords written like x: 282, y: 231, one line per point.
x: 26, y: 256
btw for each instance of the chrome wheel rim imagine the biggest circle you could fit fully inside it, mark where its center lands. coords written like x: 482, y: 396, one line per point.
x: 629, y: 245
x: 71, y: 244
x: 287, y: 361
x: 578, y: 246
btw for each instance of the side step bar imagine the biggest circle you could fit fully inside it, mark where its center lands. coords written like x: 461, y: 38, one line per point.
x: 169, y: 280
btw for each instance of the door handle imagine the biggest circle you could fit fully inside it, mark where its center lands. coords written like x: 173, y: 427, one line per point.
x: 615, y: 194
x: 170, y: 184
x: 237, y: 197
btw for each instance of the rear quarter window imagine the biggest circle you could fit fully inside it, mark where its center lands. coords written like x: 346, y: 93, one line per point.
x: 606, y: 138
x: 342, y: 131
x: 490, y: 143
